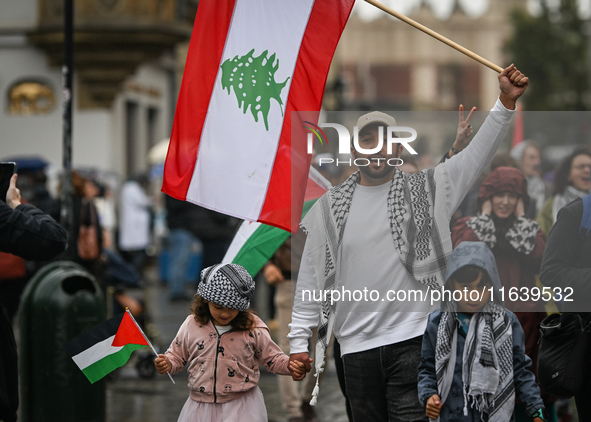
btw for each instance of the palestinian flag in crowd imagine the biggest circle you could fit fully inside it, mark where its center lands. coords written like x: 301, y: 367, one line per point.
x: 106, y: 346
x: 255, y: 243
x: 252, y: 65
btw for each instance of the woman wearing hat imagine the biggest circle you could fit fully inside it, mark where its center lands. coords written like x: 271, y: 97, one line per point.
x: 517, y: 243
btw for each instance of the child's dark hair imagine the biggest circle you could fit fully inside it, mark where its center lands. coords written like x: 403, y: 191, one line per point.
x: 469, y: 273
x: 244, y: 321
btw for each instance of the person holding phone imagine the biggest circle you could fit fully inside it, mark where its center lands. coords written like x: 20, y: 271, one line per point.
x: 13, y: 276
x: 27, y: 232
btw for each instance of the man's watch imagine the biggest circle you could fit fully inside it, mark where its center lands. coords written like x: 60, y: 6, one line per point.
x: 455, y: 151
x: 540, y: 413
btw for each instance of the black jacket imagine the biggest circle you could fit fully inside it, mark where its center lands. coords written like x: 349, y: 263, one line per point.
x: 567, y: 259
x: 31, y: 234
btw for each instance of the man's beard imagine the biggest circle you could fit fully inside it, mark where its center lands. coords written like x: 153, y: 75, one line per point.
x: 378, y: 173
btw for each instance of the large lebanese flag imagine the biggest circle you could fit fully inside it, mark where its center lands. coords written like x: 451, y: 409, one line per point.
x: 251, y: 64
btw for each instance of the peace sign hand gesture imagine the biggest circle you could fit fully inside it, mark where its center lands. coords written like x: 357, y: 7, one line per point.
x: 465, y: 131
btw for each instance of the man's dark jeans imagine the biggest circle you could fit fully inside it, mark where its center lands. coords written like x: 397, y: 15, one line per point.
x: 382, y: 383
x: 583, y: 403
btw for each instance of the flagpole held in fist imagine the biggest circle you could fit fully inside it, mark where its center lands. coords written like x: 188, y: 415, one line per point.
x: 149, y: 342
x: 436, y: 35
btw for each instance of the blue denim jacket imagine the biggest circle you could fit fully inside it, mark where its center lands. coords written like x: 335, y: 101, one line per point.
x: 452, y: 410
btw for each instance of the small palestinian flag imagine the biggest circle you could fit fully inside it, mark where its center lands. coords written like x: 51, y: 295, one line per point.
x: 106, y: 346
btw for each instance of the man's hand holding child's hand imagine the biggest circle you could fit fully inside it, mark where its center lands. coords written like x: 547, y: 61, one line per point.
x: 298, y: 369
x: 433, y: 407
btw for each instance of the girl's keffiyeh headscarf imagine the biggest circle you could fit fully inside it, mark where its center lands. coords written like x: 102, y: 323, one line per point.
x: 227, y: 285
x: 487, y: 363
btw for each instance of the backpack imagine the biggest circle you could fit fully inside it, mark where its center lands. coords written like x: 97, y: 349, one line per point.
x: 564, y: 343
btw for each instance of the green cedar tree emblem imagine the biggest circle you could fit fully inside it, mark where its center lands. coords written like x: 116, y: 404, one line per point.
x: 253, y: 80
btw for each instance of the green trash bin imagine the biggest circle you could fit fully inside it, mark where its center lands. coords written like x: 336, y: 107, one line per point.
x: 61, y: 301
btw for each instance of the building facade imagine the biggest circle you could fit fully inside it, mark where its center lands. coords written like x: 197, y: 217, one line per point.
x: 125, y: 73
x: 130, y: 54
x: 385, y: 63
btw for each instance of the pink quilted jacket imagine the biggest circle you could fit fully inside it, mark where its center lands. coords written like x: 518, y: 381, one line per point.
x: 224, y: 367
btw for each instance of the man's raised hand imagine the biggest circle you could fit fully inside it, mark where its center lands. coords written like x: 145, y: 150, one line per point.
x: 513, y: 84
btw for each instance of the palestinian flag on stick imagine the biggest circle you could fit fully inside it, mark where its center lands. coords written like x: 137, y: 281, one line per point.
x: 106, y: 346
x: 250, y: 65
x: 255, y: 243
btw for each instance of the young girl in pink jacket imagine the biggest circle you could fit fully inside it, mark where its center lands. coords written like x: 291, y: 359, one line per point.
x: 223, y: 342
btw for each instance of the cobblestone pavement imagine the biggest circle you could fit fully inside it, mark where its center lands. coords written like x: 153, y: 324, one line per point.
x: 133, y: 399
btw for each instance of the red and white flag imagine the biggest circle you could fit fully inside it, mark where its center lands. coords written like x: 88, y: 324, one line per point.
x: 518, y: 128
x: 251, y: 63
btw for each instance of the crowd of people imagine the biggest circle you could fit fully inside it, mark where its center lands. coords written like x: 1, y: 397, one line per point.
x: 384, y: 230
x: 477, y: 222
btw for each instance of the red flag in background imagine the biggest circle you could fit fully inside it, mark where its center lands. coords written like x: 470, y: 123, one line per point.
x: 518, y: 128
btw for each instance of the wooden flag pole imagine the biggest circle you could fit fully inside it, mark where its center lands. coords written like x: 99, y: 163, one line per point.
x: 436, y: 36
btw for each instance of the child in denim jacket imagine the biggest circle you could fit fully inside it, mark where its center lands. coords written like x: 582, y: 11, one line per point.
x: 473, y: 359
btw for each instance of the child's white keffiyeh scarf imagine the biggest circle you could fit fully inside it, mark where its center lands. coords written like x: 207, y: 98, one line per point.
x: 487, y: 362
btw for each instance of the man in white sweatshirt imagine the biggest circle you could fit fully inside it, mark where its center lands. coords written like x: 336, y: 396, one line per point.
x: 377, y: 246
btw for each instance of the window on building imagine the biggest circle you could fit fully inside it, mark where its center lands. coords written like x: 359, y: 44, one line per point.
x: 392, y: 85
x: 458, y: 84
